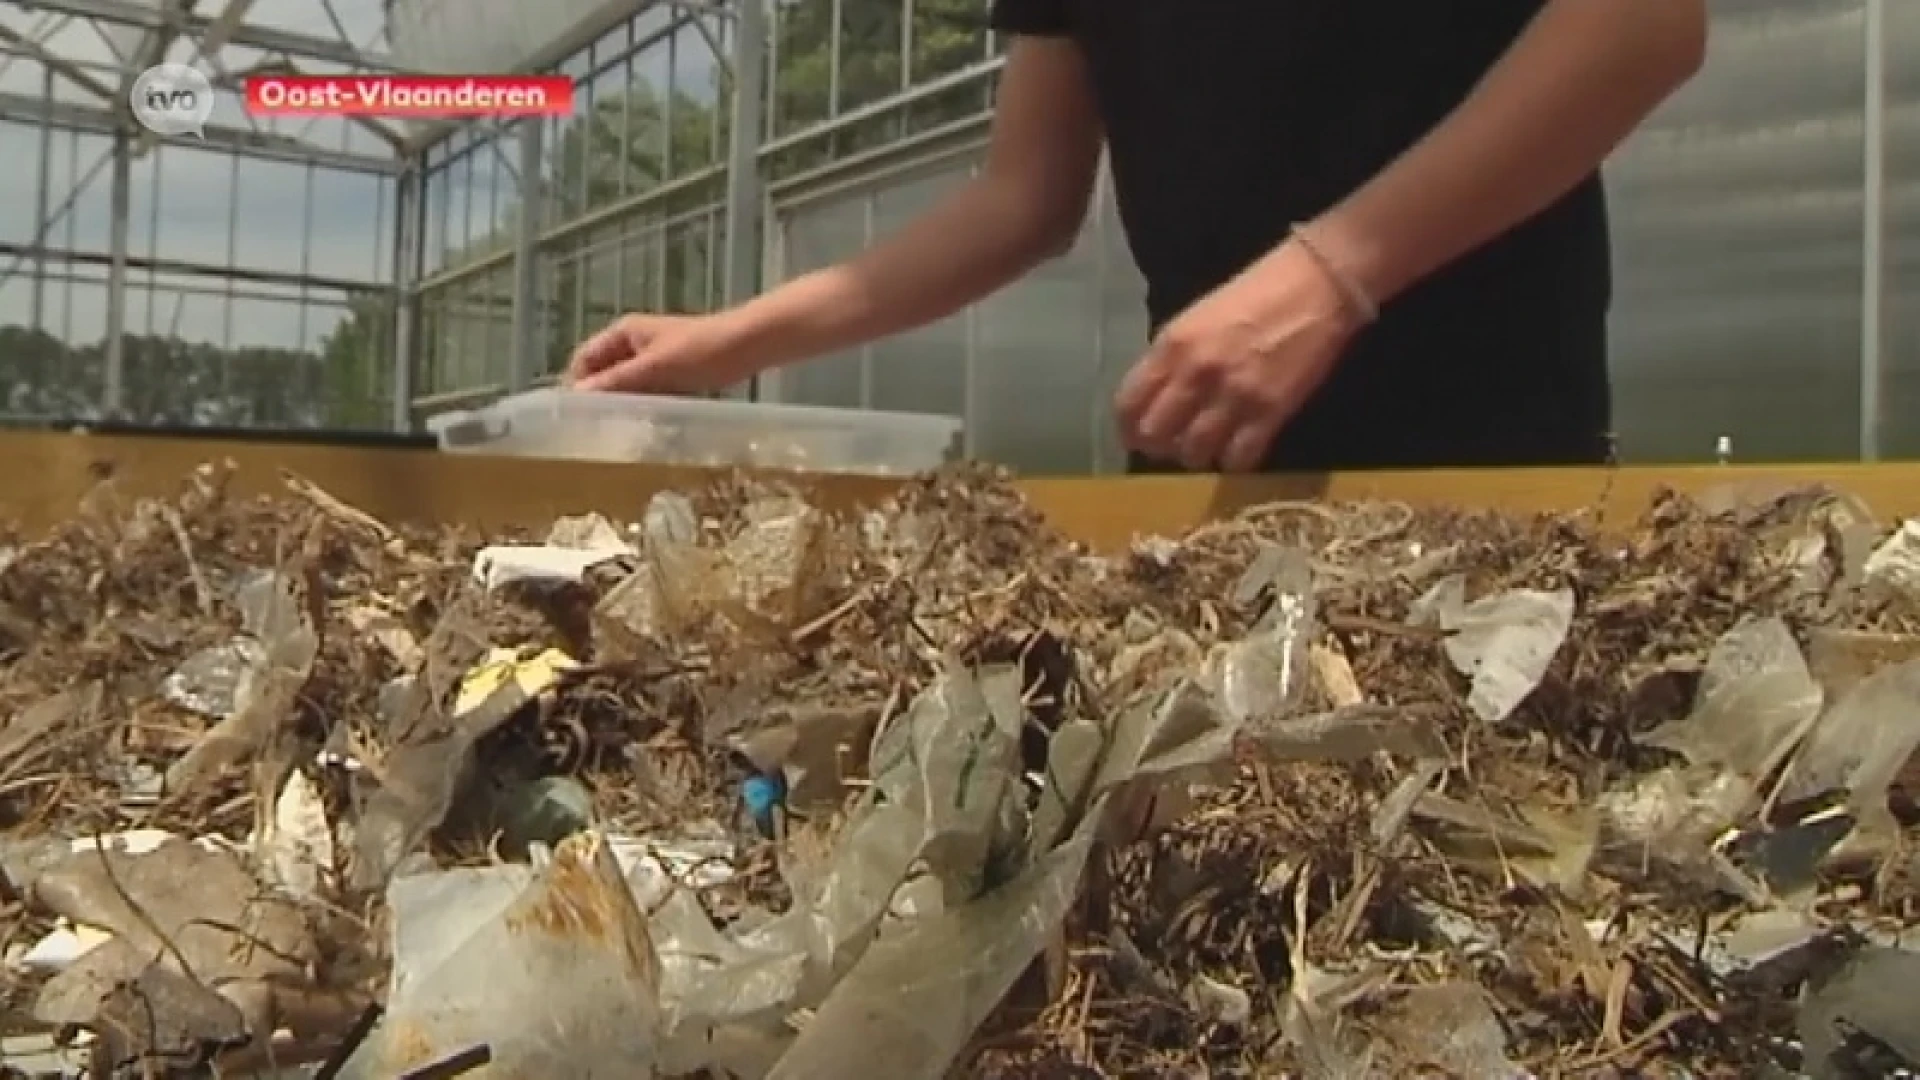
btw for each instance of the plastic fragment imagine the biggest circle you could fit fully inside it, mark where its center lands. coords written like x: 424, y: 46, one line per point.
x: 1895, y: 564
x: 503, y: 565
x: 1262, y: 676
x: 1503, y: 642
x: 1349, y: 734
x: 431, y: 749
x: 763, y: 797
x: 60, y: 948
x: 1756, y: 699
x: 1220, y: 1003
x: 546, y: 811
x: 207, y: 681
x: 297, y: 849
x: 916, y: 997
x: 1450, y: 1027
x: 552, y: 968
x: 1545, y: 848
x: 1862, y: 741
x: 275, y: 618
x: 1858, y: 1016
x: 697, y: 856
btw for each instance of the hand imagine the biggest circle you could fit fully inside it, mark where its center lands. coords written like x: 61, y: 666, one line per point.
x: 661, y: 354
x: 1222, y: 379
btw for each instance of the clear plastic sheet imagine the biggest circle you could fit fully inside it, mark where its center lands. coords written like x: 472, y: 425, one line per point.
x: 1449, y: 1027
x: 946, y: 799
x: 1895, y: 564
x: 1862, y: 741
x: 272, y: 660
x: 207, y: 681
x: 1858, y: 1019
x: 552, y: 968
x: 1261, y: 676
x: 1503, y: 642
x: 917, y: 997
x: 1756, y: 699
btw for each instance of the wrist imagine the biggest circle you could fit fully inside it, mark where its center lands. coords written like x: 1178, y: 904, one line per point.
x: 1295, y: 279
x: 1357, y: 252
x: 747, y: 338
x: 1356, y: 297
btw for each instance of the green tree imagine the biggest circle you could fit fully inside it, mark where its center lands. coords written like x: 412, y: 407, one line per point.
x: 947, y: 36
x: 357, y: 366
x: 168, y: 382
x: 625, y: 145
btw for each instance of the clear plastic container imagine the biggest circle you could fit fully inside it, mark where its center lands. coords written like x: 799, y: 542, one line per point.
x: 586, y: 426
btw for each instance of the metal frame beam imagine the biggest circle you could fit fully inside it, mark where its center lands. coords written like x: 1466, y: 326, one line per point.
x: 189, y: 268
x: 1873, y: 205
x: 746, y: 188
x: 62, y: 66
x: 293, y: 43
x: 114, y: 398
x: 22, y: 108
x: 525, y: 361
x: 751, y: 32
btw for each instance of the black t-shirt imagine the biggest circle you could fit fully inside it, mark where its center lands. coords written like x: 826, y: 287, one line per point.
x: 1229, y: 120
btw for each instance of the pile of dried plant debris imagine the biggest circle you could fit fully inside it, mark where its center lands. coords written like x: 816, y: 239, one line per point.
x: 744, y: 789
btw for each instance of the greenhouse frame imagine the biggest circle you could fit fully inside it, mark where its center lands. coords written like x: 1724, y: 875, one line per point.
x: 341, y: 276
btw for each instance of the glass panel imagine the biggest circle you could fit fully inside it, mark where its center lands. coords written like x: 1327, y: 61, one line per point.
x: 820, y: 235
x: 641, y: 281
x: 924, y: 370
x: 870, y: 69
x: 643, y: 118
x: 1738, y: 245
x: 1036, y: 367
x: 803, y: 64
x: 948, y: 35
x: 1900, y: 390
x: 696, y: 94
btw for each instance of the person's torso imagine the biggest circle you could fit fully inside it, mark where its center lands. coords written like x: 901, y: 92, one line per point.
x: 1230, y: 120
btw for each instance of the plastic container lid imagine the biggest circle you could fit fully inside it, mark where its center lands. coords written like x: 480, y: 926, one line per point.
x: 589, y: 426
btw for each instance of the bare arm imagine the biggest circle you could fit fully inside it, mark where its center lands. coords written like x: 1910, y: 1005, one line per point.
x: 1576, y: 83
x: 1026, y: 205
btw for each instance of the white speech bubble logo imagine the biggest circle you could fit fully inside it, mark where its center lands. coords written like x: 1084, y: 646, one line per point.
x: 173, y: 99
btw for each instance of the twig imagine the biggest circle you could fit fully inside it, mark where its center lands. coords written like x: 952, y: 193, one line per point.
x: 201, y: 590
x: 332, y: 506
x: 459, y: 1064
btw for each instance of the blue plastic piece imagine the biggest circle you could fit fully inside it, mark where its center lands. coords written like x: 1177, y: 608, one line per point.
x: 763, y: 796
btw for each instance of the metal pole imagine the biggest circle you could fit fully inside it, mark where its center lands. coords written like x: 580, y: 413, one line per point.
x: 524, y: 363
x: 114, y: 400
x: 408, y: 217
x: 1873, y: 240
x: 303, y: 320
x: 72, y: 222
x: 744, y: 194
x: 43, y: 196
